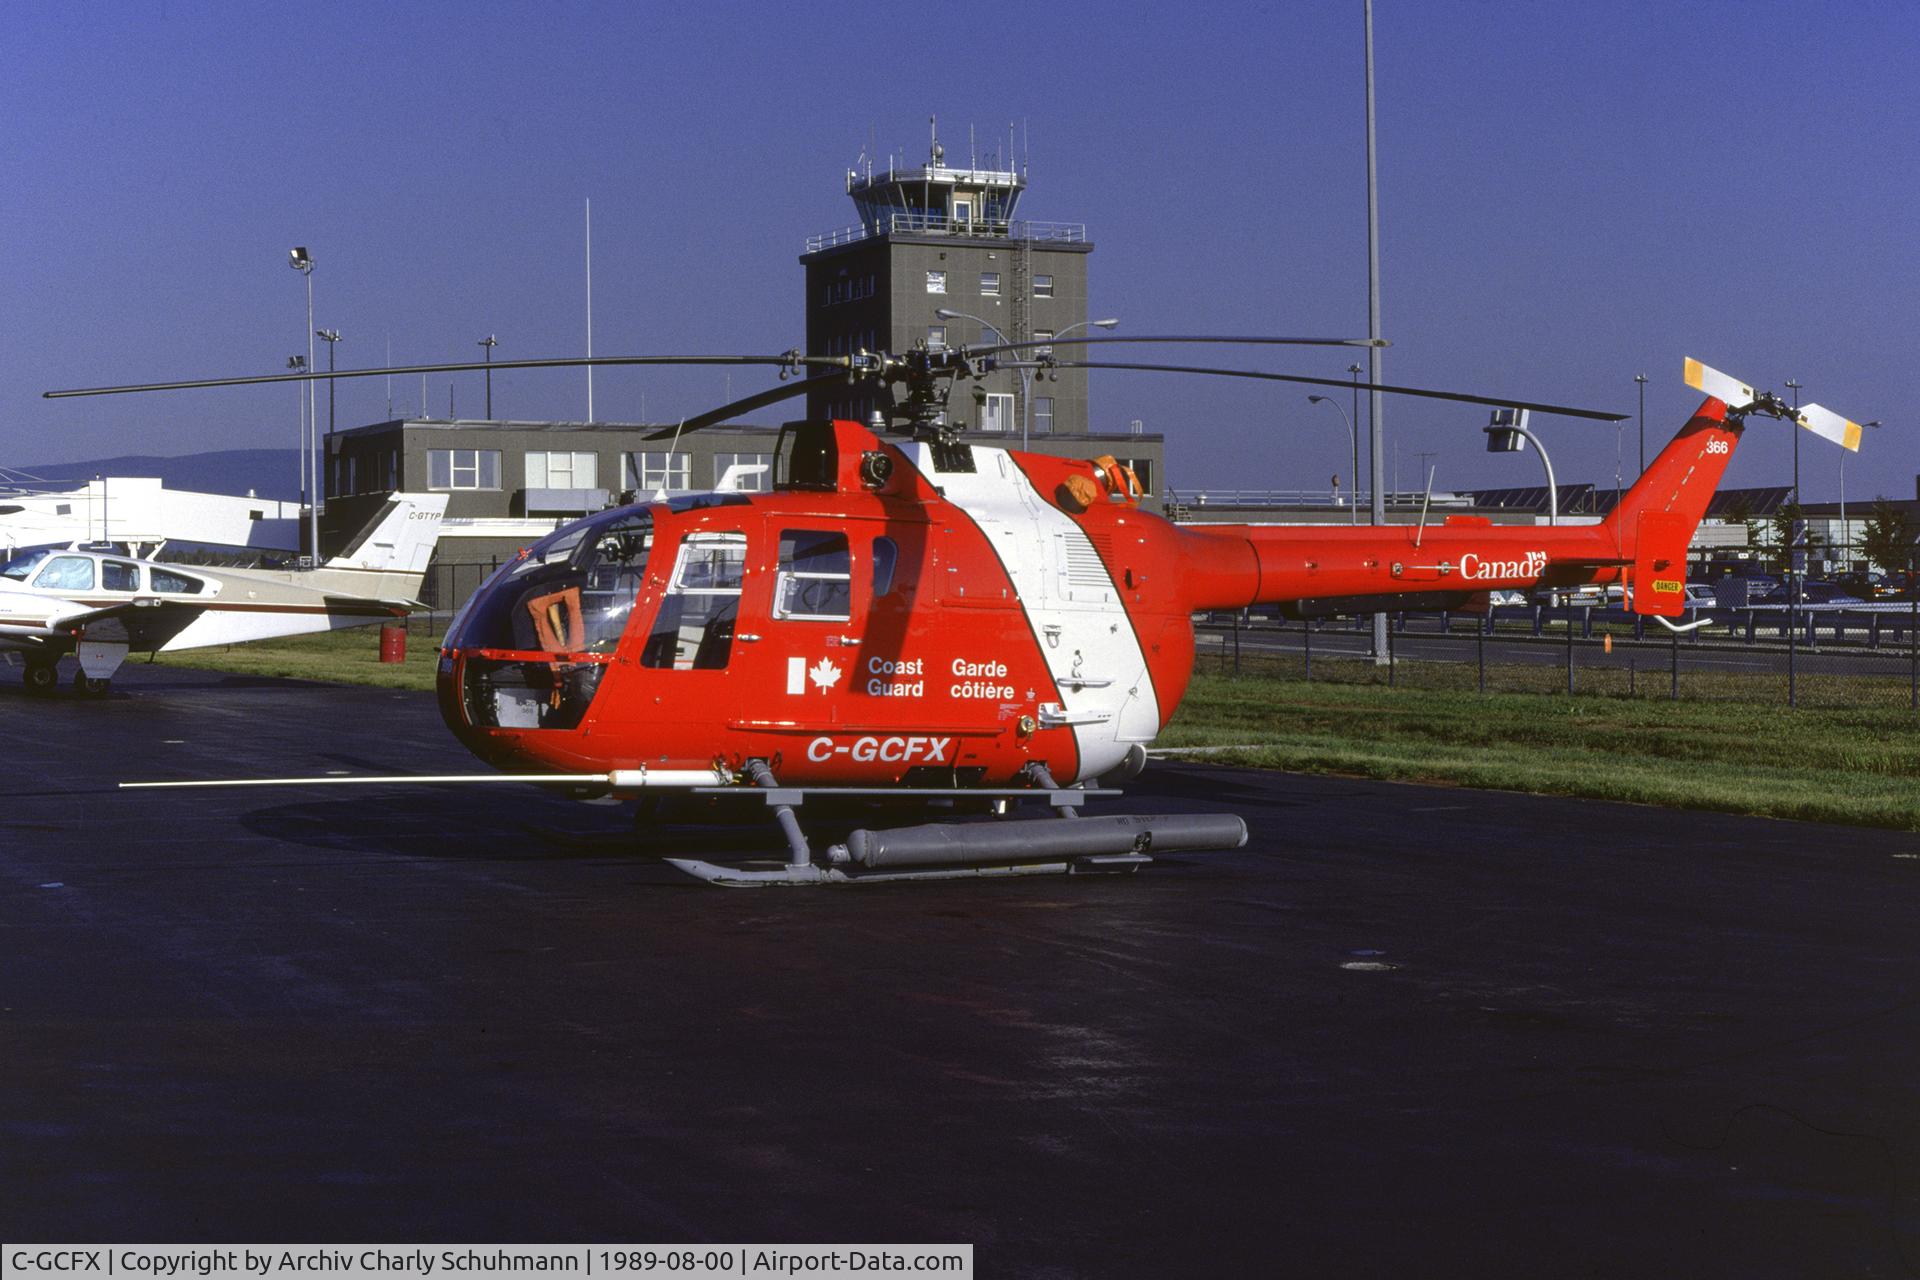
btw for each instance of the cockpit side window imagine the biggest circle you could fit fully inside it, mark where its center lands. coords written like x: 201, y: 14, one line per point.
x: 66, y: 573
x: 816, y: 577
x: 119, y: 575
x: 174, y: 583
x: 693, y: 630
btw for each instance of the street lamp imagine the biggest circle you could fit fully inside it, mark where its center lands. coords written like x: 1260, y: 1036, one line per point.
x: 1799, y: 560
x: 1507, y: 433
x: 299, y: 259
x: 298, y: 363
x: 1846, y: 538
x: 1353, y: 437
x: 1026, y: 374
x: 490, y: 342
x: 1641, y: 378
x: 329, y: 336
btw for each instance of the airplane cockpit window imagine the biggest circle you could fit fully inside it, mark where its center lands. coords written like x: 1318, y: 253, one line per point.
x: 119, y: 575
x: 816, y: 577
x: 24, y: 562
x: 66, y: 573
x: 693, y: 630
x: 174, y: 584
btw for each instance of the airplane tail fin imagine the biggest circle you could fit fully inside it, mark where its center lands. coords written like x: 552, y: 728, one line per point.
x: 387, y: 559
x: 399, y: 537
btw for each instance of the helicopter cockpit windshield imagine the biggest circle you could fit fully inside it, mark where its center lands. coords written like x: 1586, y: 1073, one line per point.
x: 539, y: 634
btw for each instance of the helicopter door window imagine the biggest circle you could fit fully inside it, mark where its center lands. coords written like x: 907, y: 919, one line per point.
x: 816, y: 577
x: 66, y: 573
x: 886, y: 554
x: 693, y: 631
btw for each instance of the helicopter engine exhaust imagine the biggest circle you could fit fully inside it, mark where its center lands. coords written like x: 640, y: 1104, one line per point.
x: 1041, y: 839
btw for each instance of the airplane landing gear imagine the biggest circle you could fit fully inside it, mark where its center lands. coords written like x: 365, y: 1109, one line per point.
x: 91, y: 687
x: 41, y: 677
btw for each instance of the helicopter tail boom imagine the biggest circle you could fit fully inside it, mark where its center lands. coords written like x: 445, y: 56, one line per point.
x: 1642, y: 541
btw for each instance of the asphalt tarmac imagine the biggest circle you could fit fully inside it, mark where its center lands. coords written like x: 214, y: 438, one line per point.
x: 1407, y: 1031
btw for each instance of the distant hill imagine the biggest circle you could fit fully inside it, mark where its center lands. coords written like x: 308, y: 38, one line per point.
x: 269, y: 473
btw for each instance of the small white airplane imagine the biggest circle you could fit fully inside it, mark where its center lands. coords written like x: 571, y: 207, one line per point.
x: 100, y: 606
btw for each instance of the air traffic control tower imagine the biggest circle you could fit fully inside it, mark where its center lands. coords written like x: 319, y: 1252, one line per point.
x: 936, y: 238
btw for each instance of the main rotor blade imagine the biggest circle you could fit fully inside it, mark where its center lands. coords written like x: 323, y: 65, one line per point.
x: 1092, y: 338
x: 748, y: 404
x: 1348, y: 384
x: 574, y: 362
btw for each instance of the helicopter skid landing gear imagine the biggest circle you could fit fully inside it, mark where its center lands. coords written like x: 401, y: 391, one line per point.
x: 1068, y: 845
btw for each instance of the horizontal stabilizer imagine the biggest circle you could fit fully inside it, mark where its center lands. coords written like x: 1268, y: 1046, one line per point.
x: 1734, y: 392
x: 1829, y: 425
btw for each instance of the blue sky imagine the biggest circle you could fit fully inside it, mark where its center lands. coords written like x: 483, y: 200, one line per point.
x: 1570, y: 194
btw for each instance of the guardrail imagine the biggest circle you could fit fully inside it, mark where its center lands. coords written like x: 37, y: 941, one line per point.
x: 934, y: 224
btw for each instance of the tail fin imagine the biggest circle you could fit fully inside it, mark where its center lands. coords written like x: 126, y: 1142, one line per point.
x: 1655, y: 520
x: 399, y: 538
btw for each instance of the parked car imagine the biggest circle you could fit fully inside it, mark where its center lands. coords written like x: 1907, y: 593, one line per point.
x: 1813, y: 591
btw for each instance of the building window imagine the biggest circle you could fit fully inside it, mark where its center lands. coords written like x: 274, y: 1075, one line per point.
x: 651, y: 472
x: 997, y: 413
x: 562, y: 470
x: 1043, y: 286
x: 1043, y: 415
x: 936, y: 282
x: 463, y: 468
x: 393, y: 471
x: 936, y: 337
x: 1042, y: 335
x: 989, y: 284
x: 745, y: 480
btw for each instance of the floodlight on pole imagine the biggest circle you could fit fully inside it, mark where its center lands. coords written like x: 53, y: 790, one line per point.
x: 1508, y: 433
x: 329, y: 336
x: 490, y: 342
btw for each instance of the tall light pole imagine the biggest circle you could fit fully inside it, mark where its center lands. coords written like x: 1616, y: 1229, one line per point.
x: 1797, y: 556
x: 300, y: 260
x: 1846, y: 538
x: 1026, y: 374
x: 1641, y: 378
x: 1353, y: 436
x: 1355, y: 371
x: 298, y: 364
x: 329, y: 336
x: 1376, y: 431
x: 490, y: 342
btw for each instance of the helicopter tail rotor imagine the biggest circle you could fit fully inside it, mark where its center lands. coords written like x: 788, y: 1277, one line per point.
x: 1742, y: 400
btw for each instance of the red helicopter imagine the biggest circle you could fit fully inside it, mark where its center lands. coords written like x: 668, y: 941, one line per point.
x: 917, y: 615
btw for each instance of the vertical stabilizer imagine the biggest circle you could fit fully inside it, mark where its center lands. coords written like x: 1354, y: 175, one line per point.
x: 399, y: 538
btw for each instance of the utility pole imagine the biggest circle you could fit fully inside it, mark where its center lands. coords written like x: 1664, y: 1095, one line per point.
x: 1376, y: 430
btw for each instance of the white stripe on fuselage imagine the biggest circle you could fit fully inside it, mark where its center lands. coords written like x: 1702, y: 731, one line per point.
x: 1033, y: 538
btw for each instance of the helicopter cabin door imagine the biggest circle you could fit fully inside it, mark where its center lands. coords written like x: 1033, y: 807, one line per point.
x: 694, y: 644
x: 810, y: 629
